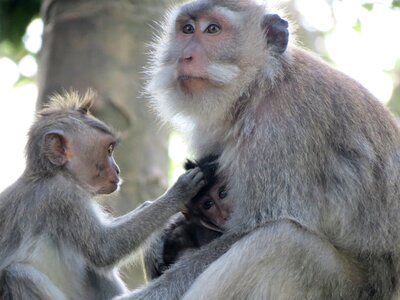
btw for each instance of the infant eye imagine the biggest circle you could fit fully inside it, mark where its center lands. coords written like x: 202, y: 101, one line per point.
x: 213, y: 29
x: 222, y: 193
x: 208, y: 204
x: 188, y: 29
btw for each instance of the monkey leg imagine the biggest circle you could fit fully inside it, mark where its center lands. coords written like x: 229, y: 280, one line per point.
x: 279, y: 261
x: 21, y: 281
x: 176, y: 280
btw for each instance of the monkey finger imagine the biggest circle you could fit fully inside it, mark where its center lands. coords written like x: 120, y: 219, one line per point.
x: 198, y: 178
x: 194, y: 172
x: 201, y: 184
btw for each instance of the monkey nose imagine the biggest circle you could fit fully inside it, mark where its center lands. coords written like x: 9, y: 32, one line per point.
x: 117, y: 170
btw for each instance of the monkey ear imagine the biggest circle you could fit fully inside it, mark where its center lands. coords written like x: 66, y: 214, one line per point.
x: 55, y: 145
x: 276, y: 32
x: 187, y: 212
x: 188, y: 215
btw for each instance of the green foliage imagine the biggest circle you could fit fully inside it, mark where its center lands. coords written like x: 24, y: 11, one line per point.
x: 13, y: 51
x: 24, y: 81
x: 357, y: 26
x: 15, y: 16
x: 368, y: 6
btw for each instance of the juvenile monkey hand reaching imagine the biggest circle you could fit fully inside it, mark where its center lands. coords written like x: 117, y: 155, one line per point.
x: 182, y: 191
x: 187, y: 186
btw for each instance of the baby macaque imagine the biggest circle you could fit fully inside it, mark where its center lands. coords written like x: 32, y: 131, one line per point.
x: 201, y: 222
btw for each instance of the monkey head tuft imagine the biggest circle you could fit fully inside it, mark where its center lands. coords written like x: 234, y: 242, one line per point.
x: 70, y: 101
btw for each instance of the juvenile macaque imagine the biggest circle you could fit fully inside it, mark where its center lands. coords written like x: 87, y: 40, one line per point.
x: 311, y: 157
x: 201, y: 222
x: 55, y: 241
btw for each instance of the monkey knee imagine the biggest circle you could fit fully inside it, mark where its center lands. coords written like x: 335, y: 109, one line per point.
x: 284, y: 260
x: 21, y: 281
x: 310, y: 266
x: 13, y: 286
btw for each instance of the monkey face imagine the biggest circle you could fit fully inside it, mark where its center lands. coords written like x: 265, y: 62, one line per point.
x: 212, y: 209
x: 91, y: 161
x: 199, y: 67
x: 203, y: 60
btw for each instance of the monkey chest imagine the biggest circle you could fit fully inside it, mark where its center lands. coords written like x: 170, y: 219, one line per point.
x: 62, y: 265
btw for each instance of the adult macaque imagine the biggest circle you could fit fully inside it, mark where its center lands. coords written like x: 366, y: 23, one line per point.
x: 201, y: 222
x: 311, y: 157
x: 55, y: 242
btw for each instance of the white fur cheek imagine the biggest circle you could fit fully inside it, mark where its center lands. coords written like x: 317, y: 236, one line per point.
x: 162, y: 87
x: 223, y: 74
x: 183, y: 110
x: 165, y: 78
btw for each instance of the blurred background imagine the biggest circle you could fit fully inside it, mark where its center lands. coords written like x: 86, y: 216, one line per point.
x: 51, y: 45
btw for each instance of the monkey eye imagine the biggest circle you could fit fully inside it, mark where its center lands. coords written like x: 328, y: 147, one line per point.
x: 213, y: 29
x: 222, y: 193
x: 208, y: 204
x: 188, y: 29
x: 110, y: 149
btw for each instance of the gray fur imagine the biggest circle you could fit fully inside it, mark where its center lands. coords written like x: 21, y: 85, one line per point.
x: 55, y: 241
x: 313, y: 162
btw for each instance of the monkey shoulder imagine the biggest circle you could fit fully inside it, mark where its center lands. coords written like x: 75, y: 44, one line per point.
x: 323, y: 98
x: 315, y: 77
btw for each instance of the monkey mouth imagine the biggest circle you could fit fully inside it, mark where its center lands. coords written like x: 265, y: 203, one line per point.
x: 188, y: 77
x: 192, y: 84
x: 113, y: 186
x: 211, y: 226
x: 114, y: 182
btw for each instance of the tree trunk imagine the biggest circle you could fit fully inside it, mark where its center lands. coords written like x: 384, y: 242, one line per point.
x: 101, y: 44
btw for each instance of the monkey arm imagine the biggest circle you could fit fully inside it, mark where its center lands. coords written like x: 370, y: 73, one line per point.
x: 104, y: 242
x: 269, y: 261
x: 176, y: 280
x: 281, y: 260
x: 165, y: 247
x: 153, y: 252
x: 152, y: 256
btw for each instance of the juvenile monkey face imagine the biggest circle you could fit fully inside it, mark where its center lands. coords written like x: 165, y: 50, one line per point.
x: 93, y: 164
x: 106, y: 178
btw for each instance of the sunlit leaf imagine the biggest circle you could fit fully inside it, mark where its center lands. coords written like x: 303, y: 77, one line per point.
x: 396, y: 3
x: 368, y: 6
x: 357, y: 26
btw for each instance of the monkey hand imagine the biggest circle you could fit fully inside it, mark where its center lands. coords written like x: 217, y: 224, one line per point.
x: 188, y: 185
